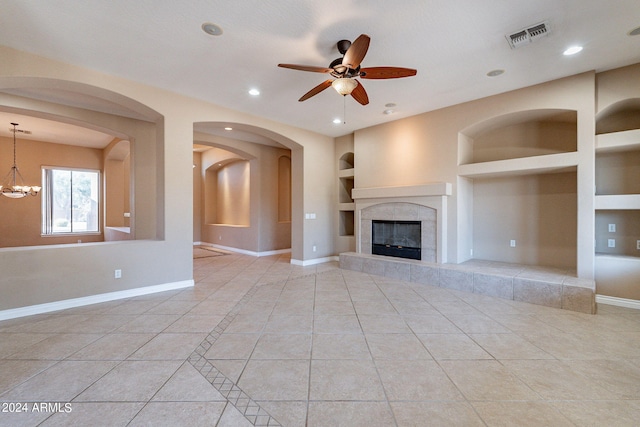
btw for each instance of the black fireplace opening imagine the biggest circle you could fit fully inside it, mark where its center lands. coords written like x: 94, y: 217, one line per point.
x: 396, y: 238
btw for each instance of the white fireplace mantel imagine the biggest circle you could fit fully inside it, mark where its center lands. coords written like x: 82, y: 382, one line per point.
x: 433, y: 189
x: 432, y: 195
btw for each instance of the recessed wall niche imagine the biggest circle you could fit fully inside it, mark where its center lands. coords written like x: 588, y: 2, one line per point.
x: 517, y: 135
x: 227, y: 193
x: 346, y: 184
x: 345, y: 189
x: 346, y: 161
x: 284, y: 189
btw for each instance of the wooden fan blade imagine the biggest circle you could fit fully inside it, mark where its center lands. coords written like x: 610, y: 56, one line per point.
x: 355, y: 54
x: 386, y: 72
x: 306, y: 68
x: 360, y: 95
x: 316, y: 90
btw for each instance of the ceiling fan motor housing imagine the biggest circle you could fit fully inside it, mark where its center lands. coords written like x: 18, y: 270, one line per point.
x: 343, y: 46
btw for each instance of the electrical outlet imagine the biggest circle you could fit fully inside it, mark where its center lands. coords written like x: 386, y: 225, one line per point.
x: 512, y: 243
x: 314, y: 248
x: 611, y: 243
x: 117, y: 274
x: 638, y: 245
x: 612, y: 228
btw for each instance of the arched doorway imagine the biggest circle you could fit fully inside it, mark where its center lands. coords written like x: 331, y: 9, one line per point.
x: 270, y: 162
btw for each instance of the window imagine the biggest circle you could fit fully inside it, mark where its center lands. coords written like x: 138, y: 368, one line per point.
x: 70, y: 201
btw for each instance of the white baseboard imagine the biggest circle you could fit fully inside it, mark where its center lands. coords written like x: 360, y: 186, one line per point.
x: 93, y: 299
x: 244, y: 251
x: 620, y: 302
x: 307, y: 262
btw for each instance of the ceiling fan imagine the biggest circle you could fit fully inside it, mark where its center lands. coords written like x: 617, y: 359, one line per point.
x: 346, y: 69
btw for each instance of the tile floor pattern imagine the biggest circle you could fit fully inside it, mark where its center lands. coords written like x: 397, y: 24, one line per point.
x: 259, y: 341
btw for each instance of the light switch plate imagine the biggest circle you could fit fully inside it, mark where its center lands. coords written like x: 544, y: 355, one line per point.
x: 612, y: 228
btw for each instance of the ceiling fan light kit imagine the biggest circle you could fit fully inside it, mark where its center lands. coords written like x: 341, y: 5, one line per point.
x: 344, y: 86
x: 346, y: 69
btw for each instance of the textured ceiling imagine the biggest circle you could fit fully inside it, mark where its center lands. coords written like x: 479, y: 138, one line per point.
x: 452, y: 44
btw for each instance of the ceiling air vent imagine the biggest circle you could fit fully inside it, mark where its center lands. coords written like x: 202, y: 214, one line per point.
x: 527, y: 35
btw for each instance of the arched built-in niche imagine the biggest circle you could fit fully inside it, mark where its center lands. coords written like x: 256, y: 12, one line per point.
x: 519, y: 135
x: 227, y: 193
x: 346, y: 161
x: 619, y: 116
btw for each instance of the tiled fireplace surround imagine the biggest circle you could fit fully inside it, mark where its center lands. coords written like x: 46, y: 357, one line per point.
x: 428, y: 204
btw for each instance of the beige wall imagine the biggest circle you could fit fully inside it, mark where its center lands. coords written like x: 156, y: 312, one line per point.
x: 537, y: 211
x: 21, y: 218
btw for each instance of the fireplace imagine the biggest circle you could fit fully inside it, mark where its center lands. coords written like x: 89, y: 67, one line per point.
x: 396, y: 238
x: 424, y: 204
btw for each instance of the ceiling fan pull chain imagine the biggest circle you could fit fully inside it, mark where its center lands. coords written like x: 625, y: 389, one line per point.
x: 344, y: 109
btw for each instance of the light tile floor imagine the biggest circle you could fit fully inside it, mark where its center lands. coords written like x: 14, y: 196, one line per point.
x: 259, y: 341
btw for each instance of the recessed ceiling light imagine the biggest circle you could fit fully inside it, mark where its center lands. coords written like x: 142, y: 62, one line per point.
x: 495, y: 73
x: 634, y: 32
x: 390, y: 105
x: 254, y: 92
x: 228, y: 128
x: 337, y: 121
x: 211, y: 29
x: 388, y: 111
x: 572, y: 50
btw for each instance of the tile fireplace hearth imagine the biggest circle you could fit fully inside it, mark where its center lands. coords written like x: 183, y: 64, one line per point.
x: 536, y: 285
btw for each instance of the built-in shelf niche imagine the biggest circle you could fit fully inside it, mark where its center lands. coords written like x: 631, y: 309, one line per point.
x: 618, y: 163
x: 519, y: 135
x: 346, y: 161
x: 617, y: 201
x: 345, y: 189
x: 346, y: 205
x: 624, y: 236
x: 617, y: 184
x: 347, y: 223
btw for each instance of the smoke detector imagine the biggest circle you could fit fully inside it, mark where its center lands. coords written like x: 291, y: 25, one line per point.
x: 528, y: 35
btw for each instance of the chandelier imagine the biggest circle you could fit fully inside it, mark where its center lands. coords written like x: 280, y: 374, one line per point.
x: 13, y: 184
